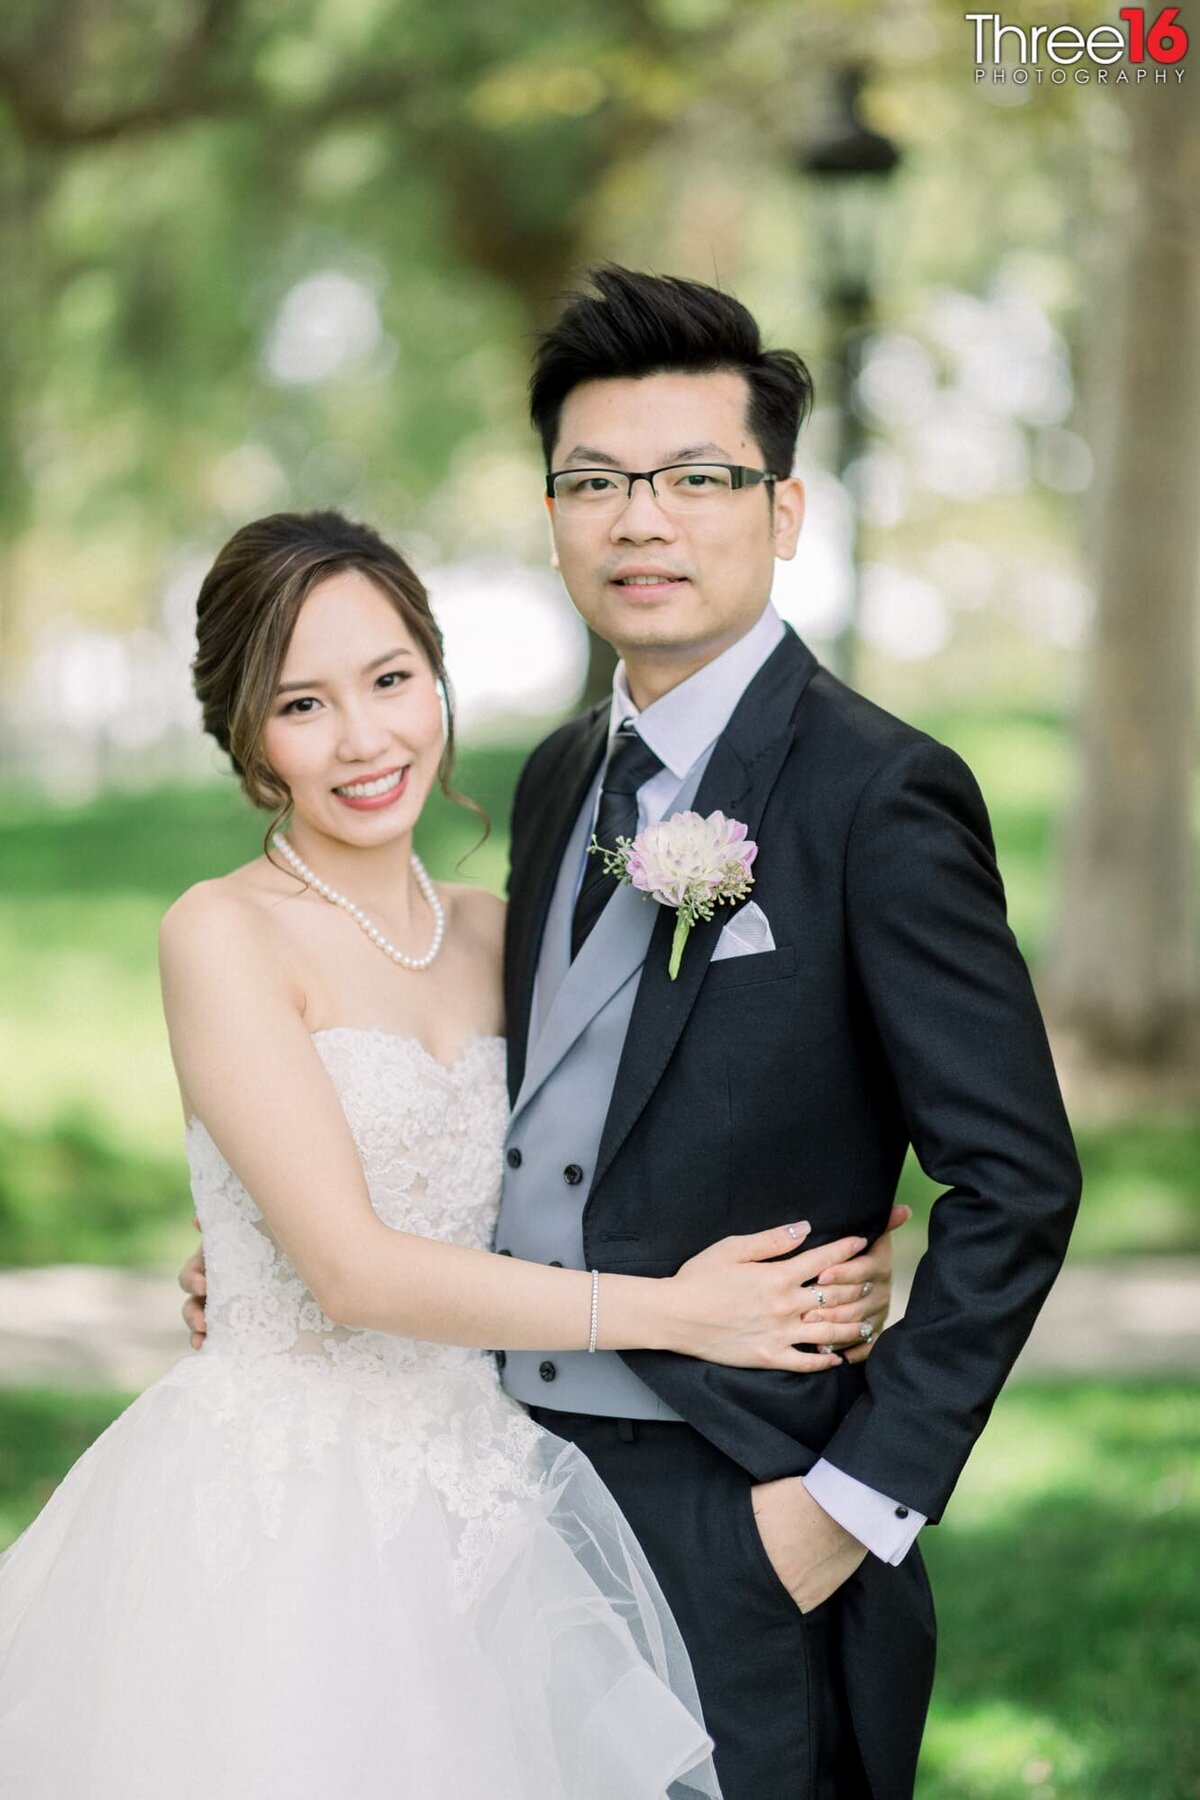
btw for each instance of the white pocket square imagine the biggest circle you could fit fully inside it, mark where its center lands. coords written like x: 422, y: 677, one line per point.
x: 748, y: 933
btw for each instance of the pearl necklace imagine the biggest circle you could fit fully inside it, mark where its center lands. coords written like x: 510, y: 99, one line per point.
x: 359, y: 916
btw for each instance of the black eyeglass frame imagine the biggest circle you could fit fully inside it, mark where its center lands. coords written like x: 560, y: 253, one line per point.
x: 739, y: 476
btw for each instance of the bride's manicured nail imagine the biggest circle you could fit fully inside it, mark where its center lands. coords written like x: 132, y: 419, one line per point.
x: 801, y: 1230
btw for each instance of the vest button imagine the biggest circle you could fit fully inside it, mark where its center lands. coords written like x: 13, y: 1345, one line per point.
x: 902, y: 1512
x: 513, y: 1158
x: 547, y: 1371
x: 572, y: 1174
x: 501, y: 1359
x: 554, y: 1263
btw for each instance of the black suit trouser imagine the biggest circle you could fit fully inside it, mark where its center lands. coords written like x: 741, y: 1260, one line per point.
x: 769, y: 1676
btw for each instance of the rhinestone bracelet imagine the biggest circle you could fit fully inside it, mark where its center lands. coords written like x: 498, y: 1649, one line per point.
x: 595, y: 1309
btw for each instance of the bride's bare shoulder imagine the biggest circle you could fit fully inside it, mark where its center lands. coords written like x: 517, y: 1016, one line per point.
x: 216, y: 914
x: 476, y: 909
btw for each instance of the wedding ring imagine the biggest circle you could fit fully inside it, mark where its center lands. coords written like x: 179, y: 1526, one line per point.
x: 866, y: 1332
x: 866, y: 1288
x: 820, y: 1293
x: 826, y: 1349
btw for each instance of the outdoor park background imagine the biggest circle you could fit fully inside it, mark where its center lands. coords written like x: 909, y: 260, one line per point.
x: 281, y: 256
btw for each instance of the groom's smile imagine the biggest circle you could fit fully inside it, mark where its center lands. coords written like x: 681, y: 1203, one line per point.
x: 648, y: 584
x: 670, y: 574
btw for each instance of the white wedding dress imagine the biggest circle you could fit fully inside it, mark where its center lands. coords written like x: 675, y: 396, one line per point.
x: 324, y: 1564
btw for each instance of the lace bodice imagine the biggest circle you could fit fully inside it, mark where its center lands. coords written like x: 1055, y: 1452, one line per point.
x: 293, y: 1386
x: 429, y: 1136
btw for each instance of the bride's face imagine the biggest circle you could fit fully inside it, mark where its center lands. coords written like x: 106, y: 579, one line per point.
x: 356, y: 707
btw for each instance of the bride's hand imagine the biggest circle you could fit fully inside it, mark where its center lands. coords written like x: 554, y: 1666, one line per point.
x: 735, y: 1305
x: 859, y: 1292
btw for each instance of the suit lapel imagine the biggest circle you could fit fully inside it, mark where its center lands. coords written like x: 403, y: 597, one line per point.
x: 741, y: 773
x: 611, y: 954
x: 549, y: 816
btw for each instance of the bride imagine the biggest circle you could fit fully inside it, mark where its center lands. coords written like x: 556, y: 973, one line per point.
x: 329, y: 1557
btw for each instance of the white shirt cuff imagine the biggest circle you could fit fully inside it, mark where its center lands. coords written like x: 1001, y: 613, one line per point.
x: 887, y: 1528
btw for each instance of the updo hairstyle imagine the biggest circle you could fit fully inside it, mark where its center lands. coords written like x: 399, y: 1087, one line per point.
x: 247, y: 610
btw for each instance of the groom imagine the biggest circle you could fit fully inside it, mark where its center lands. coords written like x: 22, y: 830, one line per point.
x: 869, y: 995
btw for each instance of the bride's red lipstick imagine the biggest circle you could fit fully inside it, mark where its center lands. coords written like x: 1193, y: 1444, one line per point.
x: 360, y: 802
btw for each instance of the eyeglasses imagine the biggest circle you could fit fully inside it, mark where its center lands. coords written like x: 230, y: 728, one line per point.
x: 678, y: 488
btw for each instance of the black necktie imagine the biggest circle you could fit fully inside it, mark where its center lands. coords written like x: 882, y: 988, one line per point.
x: 630, y: 764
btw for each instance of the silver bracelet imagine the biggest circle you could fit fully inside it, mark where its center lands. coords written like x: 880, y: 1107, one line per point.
x: 595, y: 1310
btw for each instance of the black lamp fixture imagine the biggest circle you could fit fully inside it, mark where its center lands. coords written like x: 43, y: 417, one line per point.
x: 849, y: 164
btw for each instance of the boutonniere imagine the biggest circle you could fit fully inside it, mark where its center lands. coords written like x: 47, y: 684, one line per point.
x: 686, y: 862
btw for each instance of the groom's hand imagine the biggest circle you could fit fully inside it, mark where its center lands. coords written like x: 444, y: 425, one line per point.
x: 194, y: 1283
x: 810, y: 1552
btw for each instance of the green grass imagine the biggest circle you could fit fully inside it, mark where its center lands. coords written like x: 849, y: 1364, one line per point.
x: 89, y: 1118
x: 1065, y: 1576
x: 1068, y: 1594
x: 42, y: 1432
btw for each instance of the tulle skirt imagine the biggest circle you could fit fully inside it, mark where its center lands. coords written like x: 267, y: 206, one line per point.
x: 277, y: 1578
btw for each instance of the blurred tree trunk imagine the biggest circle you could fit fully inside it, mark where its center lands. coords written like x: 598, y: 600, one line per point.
x: 1123, y: 976
x: 538, y: 264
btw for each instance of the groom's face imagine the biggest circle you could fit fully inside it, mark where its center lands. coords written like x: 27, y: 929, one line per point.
x: 714, y: 567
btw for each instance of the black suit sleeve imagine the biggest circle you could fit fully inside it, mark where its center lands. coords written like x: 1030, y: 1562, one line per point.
x: 962, y: 1036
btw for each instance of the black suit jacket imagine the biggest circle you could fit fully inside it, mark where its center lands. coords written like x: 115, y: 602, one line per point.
x: 895, y: 1008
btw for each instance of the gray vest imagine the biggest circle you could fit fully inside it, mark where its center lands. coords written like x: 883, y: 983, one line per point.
x: 581, y: 1013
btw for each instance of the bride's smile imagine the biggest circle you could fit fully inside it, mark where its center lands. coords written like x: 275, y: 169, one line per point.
x: 354, y: 730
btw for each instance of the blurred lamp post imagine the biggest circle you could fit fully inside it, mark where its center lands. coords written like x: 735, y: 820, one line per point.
x: 849, y: 165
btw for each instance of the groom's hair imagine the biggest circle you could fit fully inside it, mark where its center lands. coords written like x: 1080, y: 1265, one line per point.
x: 636, y: 324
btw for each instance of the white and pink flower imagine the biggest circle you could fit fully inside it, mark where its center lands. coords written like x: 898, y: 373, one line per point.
x: 686, y: 862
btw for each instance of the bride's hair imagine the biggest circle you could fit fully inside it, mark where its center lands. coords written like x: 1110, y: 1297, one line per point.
x: 245, y: 615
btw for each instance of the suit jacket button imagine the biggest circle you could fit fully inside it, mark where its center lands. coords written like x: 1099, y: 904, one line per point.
x: 554, y: 1263
x: 902, y: 1512
x: 513, y: 1158
x: 572, y: 1174
x: 504, y: 1253
x: 547, y: 1371
x: 501, y: 1359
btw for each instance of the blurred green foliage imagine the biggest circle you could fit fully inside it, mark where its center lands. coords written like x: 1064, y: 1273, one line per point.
x: 1066, y: 1585
x: 42, y: 1432
x: 1068, y: 1644
x: 89, y: 1119
x: 173, y: 173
